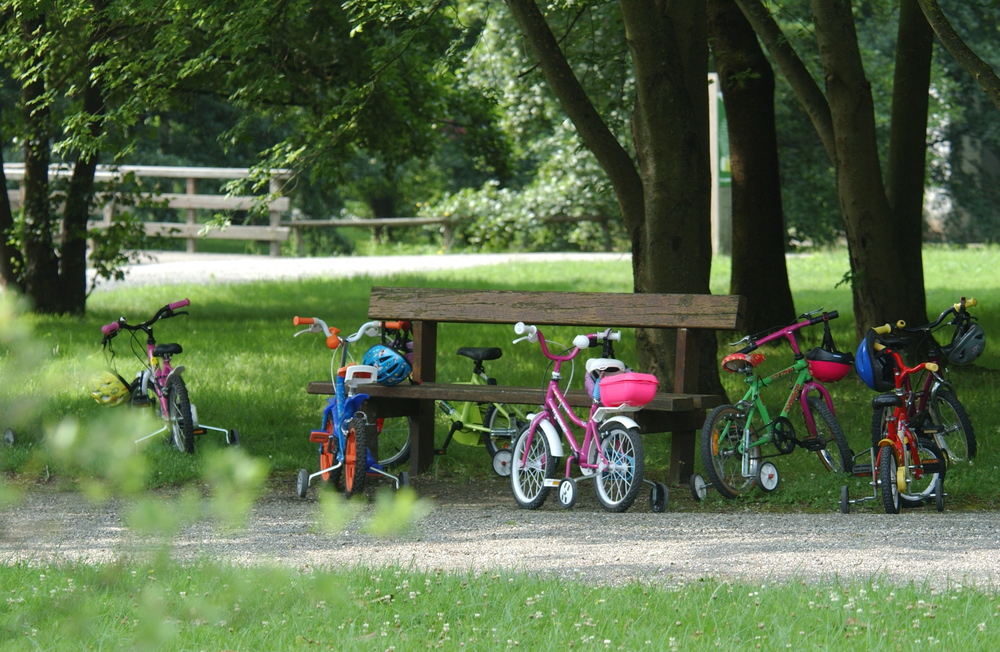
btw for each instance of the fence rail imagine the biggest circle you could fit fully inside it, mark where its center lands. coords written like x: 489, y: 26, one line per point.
x: 190, y: 201
x: 277, y: 230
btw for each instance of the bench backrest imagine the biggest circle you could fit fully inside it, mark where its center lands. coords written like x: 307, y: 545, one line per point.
x: 723, y: 312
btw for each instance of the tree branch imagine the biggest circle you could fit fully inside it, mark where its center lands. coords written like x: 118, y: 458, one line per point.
x: 975, y: 66
x: 806, y: 89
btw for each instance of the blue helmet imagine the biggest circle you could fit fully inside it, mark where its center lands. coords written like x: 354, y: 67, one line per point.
x: 392, y: 366
x: 874, y: 368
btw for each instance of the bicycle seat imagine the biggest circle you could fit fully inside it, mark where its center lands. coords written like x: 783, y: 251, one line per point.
x: 481, y: 354
x: 166, y: 349
x: 886, y: 400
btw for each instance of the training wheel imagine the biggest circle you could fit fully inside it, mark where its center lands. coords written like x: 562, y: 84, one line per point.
x: 845, y: 500
x: 767, y: 476
x: 567, y: 492
x: 9, y: 437
x: 501, y: 462
x: 658, y: 497
x: 302, y: 483
x: 233, y: 437
x: 699, y: 488
x: 939, y: 494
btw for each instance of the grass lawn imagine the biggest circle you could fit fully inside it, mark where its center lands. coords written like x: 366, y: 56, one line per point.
x: 245, y: 370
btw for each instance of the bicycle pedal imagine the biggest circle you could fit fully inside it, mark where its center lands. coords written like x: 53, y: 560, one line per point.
x: 199, y: 431
x: 140, y: 401
x: 812, y: 444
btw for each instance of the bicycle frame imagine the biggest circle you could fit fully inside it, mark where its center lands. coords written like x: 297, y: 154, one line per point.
x: 901, y: 439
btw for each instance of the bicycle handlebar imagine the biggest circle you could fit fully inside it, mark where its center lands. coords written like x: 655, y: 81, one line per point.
x: 587, y: 341
x: 397, y: 325
x: 167, y: 311
x: 109, y: 329
x: 803, y: 320
x: 179, y: 304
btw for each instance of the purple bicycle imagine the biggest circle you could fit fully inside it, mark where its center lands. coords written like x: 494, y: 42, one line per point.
x: 610, y: 453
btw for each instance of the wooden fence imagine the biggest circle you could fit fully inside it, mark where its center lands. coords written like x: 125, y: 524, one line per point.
x: 190, y: 201
x: 276, y: 232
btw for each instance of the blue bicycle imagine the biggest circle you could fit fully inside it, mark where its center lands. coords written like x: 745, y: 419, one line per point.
x: 344, y: 457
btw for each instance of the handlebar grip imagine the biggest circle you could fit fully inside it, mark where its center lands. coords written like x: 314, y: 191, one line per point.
x: 901, y: 324
x: 883, y: 330
x: 179, y: 304
x: 826, y: 316
x: 396, y: 325
x: 303, y: 321
x: 931, y: 366
x: 969, y: 303
x: 109, y: 329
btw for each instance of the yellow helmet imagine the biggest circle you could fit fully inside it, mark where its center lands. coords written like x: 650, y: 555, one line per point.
x: 109, y: 389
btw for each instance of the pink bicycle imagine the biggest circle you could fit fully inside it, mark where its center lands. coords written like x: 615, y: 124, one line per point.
x: 611, y: 451
x: 157, y: 383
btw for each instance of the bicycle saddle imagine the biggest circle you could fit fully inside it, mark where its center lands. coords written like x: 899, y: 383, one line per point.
x: 479, y: 354
x: 886, y: 400
x: 166, y: 349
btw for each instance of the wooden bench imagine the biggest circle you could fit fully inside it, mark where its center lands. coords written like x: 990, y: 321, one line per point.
x: 681, y: 412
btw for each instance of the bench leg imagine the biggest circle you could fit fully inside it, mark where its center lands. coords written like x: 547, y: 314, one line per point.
x: 682, y: 445
x: 422, y: 438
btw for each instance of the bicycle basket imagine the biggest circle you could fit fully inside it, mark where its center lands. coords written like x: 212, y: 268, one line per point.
x: 629, y: 388
x: 109, y: 389
x: 392, y: 366
x: 966, y: 345
x: 875, y: 367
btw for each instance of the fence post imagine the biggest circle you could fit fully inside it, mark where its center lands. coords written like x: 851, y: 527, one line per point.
x: 192, y: 215
x: 274, y: 186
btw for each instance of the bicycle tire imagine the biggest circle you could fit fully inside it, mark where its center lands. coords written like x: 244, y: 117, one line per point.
x: 355, y: 455
x: 393, y: 441
x: 179, y: 414
x: 887, y: 480
x: 495, y: 419
x: 617, y: 487
x: 527, y: 482
x: 947, y: 411
x: 724, y: 464
x: 839, y: 459
x: 923, y: 489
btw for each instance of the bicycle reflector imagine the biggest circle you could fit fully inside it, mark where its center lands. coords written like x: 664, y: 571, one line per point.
x: 966, y: 345
x: 876, y: 369
x: 392, y: 366
x: 109, y: 389
x: 742, y: 362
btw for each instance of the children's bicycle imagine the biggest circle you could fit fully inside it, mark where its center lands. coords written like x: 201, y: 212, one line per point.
x: 492, y: 425
x: 344, y: 457
x: 934, y: 409
x: 611, y: 451
x: 734, y: 437
x: 158, y: 383
x: 907, y: 469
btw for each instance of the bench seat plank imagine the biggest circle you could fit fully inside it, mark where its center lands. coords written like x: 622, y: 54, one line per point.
x: 663, y: 401
x: 564, y: 308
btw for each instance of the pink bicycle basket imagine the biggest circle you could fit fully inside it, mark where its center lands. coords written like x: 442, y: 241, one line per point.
x: 630, y: 388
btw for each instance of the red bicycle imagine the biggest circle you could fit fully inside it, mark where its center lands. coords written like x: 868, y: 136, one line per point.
x: 907, y: 469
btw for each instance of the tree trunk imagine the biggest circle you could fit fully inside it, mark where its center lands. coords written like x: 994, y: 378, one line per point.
x: 758, y: 272
x: 877, y: 283
x: 10, y: 256
x: 665, y: 202
x: 905, y: 168
x: 41, y: 267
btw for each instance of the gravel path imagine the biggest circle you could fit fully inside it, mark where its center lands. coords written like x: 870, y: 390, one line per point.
x: 481, y: 529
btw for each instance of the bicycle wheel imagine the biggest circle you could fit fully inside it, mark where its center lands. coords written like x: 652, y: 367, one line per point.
x: 956, y: 439
x: 721, y: 438
x: 527, y: 480
x: 504, y: 424
x: 922, y: 489
x: 618, y: 485
x: 887, y: 481
x: 837, y: 456
x: 179, y: 414
x: 355, y: 455
x: 393, y: 441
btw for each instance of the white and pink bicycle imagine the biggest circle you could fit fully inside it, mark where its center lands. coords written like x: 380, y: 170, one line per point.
x: 610, y: 453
